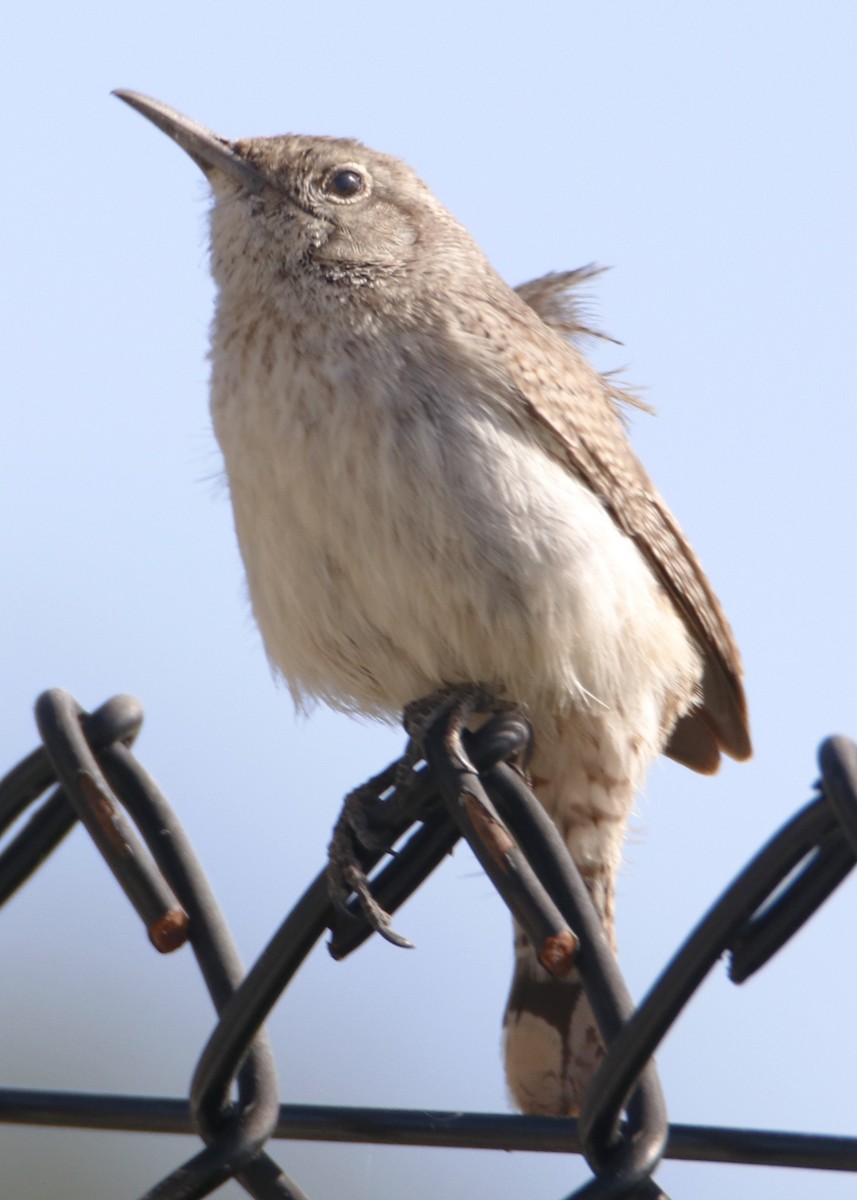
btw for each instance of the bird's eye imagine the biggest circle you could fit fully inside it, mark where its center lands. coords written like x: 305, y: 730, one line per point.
x: 345, y: 183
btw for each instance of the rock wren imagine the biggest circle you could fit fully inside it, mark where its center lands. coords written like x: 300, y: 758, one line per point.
x: 431, y: 486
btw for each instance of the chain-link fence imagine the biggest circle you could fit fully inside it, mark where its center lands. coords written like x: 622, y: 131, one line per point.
x: 467, y: 788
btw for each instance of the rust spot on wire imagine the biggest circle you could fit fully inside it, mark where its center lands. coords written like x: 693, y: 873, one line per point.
x: 103, y: 810
x: 170, y: 931
x: 558, y: 953
x: 494, y: 836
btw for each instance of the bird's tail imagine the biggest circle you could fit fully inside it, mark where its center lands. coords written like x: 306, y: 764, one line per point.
x: 552, y: 1043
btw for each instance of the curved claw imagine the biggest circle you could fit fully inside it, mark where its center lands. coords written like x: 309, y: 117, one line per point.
x: 372, y: 911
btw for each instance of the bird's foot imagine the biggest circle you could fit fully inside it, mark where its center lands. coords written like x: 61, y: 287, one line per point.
x: 373, y: 814
x: 363, y: 830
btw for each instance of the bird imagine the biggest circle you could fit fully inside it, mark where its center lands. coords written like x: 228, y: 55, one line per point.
x: 433, y: 488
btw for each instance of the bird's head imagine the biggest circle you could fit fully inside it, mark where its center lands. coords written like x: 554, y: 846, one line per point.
x: 294, y: 208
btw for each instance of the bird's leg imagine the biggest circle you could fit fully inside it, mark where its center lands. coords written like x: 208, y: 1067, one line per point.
x: 370, y: 819
x: 462, y: 702
x: 463, y: 699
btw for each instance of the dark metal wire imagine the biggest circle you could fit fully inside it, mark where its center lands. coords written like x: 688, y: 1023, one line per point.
x: 118, y: 720
x: 467, y: 789
x: 235, y: 1133
x: 418, y: 1127
x: 623, y: 1158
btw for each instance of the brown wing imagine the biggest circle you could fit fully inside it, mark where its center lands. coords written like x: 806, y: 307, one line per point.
x: 574, y: 407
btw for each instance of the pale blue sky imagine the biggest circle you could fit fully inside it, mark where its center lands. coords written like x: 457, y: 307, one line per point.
x: 707, y: 153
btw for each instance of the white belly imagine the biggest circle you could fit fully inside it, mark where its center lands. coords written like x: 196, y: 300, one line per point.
x: 393, y: 546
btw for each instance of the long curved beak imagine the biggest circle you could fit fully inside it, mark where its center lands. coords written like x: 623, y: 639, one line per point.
x: 207, y: 150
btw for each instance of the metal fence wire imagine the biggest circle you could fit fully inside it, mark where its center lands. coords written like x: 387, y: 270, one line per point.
x: 468, y: 787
